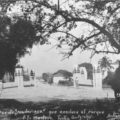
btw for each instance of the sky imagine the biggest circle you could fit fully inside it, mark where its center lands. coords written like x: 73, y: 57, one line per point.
x: 44, y: 59
x: 47, y: 59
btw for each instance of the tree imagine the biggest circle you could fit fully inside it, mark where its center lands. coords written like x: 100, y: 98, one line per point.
x: 101, y: 16
x: 108, y: 78
x: 47, y: 77
x: 113, y: 79
x: 67, y: 75
x: 64, y: 73
x: 105, y: 63
x: 16, y: 38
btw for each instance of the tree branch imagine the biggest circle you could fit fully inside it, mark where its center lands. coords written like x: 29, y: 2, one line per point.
x: 68, y: 17
x: 67, y: 33
x: 102, y: 30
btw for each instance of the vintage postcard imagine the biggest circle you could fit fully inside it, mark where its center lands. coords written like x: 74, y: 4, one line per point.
x: 59, y: 60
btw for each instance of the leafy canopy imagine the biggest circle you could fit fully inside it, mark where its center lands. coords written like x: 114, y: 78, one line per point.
x: 16, y: 38
x: 61, y: 18
x: 105, y: 63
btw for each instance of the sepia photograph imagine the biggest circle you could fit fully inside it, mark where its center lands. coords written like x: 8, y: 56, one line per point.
x: 59, y: 59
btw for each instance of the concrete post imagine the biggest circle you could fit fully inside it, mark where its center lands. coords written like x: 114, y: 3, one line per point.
x: 32, y: 78
x: 19, y: 77
x: 97, y: 78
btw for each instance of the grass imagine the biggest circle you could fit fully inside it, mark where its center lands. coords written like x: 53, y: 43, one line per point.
x: 96, y: 103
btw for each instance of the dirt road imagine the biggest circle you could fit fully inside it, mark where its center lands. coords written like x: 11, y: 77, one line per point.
x: 46, y: 92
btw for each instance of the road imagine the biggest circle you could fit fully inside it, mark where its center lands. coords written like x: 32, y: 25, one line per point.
x: 45, y: 92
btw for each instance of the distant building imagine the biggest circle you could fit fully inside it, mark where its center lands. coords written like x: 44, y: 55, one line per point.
x: 61, y: 76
